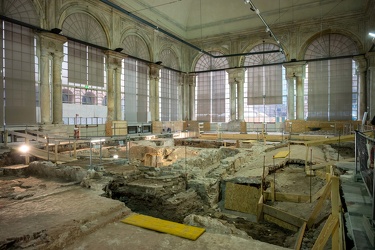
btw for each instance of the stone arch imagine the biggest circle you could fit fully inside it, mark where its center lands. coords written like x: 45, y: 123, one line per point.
x: 135, y: 44
x: 304, y: 47
x: 21, y: 10
x: 169, y: 57
x: 94, y: 31
x: 251, y: 46
x: 214, y: 51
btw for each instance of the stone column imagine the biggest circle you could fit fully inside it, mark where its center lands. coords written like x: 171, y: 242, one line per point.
x: 192, y: 84
x: 180, y: 99
x: 300, y: 98
x: 236, y: 81
x: 51, y: 46
x: 296, y: 70
x: 114, y: 84
x: 290, y: 99
x: 57, y: 88
x: 186, y: 88
x: 154, y: 92
x: 361, y: 66
x: 241, y: 104
x: 233, y: 108
x: 45, y: 109
x: 118, y: 108
x: 110, y: 93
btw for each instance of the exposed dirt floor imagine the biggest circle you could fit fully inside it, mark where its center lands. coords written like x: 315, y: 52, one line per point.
x: 79, y: 205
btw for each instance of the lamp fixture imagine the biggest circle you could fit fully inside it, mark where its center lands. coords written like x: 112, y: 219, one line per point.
x: 118, y: 49
x: 371, y: 34
x: 159, y: 62
x: 268, y: 29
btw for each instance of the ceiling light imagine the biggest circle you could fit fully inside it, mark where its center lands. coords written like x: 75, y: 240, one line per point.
x: 246, y: 1
x: 372, y: 34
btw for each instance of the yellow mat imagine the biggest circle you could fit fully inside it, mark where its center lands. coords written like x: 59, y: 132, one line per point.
x: 164, y: 226
x: 281, y: 154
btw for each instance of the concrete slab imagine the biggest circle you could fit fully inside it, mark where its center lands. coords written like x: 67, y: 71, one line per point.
x: 52, y: 220
x: 118, y: 235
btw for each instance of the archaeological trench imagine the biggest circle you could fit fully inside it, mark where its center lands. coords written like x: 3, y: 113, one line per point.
x: 213, y: 184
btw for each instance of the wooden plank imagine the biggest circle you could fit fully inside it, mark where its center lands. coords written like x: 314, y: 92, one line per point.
x: 280, y: 223
x: 260, y: 209
x: 30, y: 137
x: 336, y: 209
x: 296, y: 198
x: 318, y: 194
x: 331, y: 140
x: 301, y: 233
x: 319, y: 205
x: 330, y: 225
x: 241, y: 198
x: 284, y: 216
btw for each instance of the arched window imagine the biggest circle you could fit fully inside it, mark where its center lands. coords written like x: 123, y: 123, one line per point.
x: 83, y: 67
x: 168, y: 86
x: 212, y: 90
x: 67, y: 96
x: 330, y: 85
x: 19, y: 64
x: 135, y: 46
x: 89, y: 98
x: 265, y: 87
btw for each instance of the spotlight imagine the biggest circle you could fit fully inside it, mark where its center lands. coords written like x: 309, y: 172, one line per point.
x: 246, y: 1
x: 252, y: 8
x: 159, y: 62
x: 118, y: 49
x: 371, y: 34
x: 115, y: 157
x: 24, y: 148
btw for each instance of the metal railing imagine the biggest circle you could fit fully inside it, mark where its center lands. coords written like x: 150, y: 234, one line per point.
x: 365, y: 151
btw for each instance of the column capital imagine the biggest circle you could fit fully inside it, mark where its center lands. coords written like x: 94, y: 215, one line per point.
x: 295, y: 69
x: 154, y: 70
x: 51, y: 42
x: 114, y: 59
x: 191, y: 79
x: 236, y: 75
x: 236, y: 71
x: 361, y: 63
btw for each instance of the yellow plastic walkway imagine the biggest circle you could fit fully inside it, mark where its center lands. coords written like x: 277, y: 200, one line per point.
x: 164, y: 226
x: 281, y: 154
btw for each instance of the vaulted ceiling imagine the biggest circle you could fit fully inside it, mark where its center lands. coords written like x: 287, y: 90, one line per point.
x: 198, y: 19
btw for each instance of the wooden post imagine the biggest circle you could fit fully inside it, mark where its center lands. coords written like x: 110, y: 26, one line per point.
x: 272, y: 191
x: 75, y: 149
x: 6, y: 138
x: 335, y: 201
x: 56, y: 150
